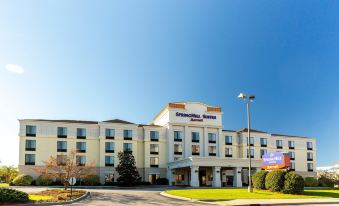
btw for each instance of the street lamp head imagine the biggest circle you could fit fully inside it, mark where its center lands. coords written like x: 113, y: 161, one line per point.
x: 242, y: 96
x: 251, y: 97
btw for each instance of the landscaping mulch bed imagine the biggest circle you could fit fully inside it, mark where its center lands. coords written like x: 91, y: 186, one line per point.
x: 59, y: 195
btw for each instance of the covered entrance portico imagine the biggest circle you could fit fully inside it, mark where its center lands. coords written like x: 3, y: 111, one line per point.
x: 209, y: 172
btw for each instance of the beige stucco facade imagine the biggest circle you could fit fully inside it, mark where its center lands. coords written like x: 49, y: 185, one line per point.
x: 188, y: 147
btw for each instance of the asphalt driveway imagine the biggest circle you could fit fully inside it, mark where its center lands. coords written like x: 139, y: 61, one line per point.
x: 145, y: 196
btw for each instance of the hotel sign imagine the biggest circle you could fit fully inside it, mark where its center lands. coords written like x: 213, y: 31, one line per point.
x: 195, y: 117
x: 275, y: 160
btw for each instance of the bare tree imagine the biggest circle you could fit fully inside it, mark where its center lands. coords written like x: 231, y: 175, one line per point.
x: 63, y: 167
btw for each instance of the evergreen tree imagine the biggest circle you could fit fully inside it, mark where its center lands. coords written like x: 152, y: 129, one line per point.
x: 128, y: 173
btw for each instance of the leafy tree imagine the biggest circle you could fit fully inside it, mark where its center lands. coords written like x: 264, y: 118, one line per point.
x: 128, y: 173
x: 64, y: 167
x: 8, y: 173
x: 329, y: 178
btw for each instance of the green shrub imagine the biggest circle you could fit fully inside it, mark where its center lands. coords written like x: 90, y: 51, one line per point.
x: 10, y: 195
x: 23, y: 180
x: 311, y: 182
x: 294, y: 183
x: 43, y: 181
x: 274, y: 180
x: 92, y: 180
x: 258, y: 180
x: 325, y: 182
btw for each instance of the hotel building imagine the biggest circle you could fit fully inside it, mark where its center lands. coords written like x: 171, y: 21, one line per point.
x: 185, y: 143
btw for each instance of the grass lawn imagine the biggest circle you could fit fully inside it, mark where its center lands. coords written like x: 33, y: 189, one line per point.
x: 229, y: 194
x: 4, y: 185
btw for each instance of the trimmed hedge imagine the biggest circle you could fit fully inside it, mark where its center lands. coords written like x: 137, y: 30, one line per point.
x: 311, y: 182
x: 43, y: 181
x: 274, y: 180
x: 23, y: 180
x: 91, y: 180
x: 10, y: 195
x: 294, y: 183
x: 161, y: 181
x: 325, y: 182
x: 258, y: 180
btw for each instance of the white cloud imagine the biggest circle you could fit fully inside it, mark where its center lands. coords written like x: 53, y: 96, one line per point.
x: 17, y: 69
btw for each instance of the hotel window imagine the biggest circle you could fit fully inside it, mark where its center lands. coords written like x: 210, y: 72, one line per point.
x: 178, y: 136
x: 292, y: 166
x: 81, y: 147
x: 279, y: 144
x: 81, y: 160
x: 61, y: 159
x: 154, y: 161
x: 30, y: 145
x: 29, y: 159
x: 292, y: 155
x: 127, y: 147
x: 177, y: 149
x: 128, y: 134
x: 262, y: 152
x: 154, y: 149
x: 30, y: 131
x: 252, y: 153
x: 263, y: 142
x: 212, y: 137
x: 310, y: 167
x: 154, y: 136
x: 109, y: 161
x: 109, y: 133
x: 81, y: 133
x: 62, y: 132
x: 195, y: 136
x: 109, y: 147
x: 291, y: 144
x: 195, y: 150
x: 309, y: 156
x: 61, y: 146
x: 228, y: 140
x: 212, y: 150
x: 228, y: 152
x: 251, y: 141
x: 309, y: 146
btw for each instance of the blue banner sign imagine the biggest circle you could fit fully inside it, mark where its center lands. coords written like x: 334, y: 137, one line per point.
x: 275, y: 160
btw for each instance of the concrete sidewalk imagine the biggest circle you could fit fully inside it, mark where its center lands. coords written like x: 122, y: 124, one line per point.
x: 310, y: 201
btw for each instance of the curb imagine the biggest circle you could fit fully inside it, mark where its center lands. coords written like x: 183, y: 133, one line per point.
x: 187, y: 199
x: 58, y: 203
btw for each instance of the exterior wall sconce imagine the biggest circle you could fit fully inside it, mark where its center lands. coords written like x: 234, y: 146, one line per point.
x: 196, y: 171
x: 239, y: 172
x: 218, y: 171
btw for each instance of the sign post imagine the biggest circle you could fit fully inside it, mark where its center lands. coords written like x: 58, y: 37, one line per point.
x: 72, y: 182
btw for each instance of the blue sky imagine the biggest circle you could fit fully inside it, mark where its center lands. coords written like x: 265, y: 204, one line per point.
x: 98, y: 60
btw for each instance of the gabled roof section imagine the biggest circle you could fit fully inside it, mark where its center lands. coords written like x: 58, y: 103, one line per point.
x: 252, y: 130
x: 118, y: 121
x: 148, y: 125
x: 284, y: 135
x: 62, y: 120
x: 228, y: 130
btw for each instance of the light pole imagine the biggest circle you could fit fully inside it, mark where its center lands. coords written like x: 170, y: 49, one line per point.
x: 248, y: 101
